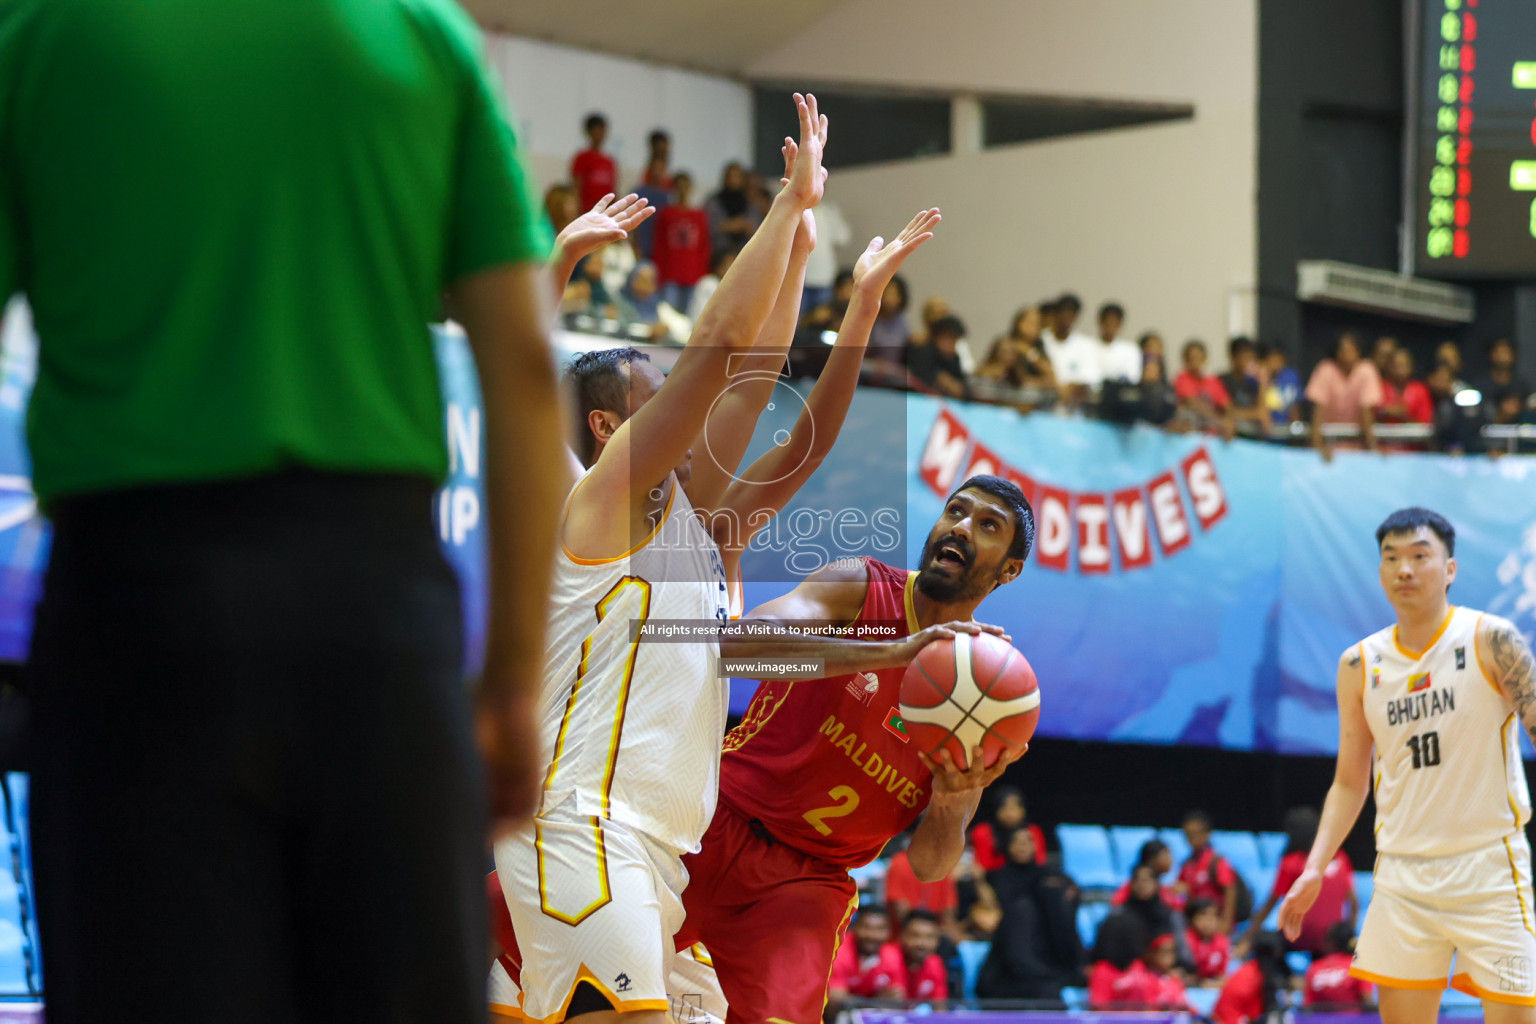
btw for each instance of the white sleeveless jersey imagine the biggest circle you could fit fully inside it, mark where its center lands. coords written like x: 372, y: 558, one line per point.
x: 632, y: 729
x: 1448, y: 776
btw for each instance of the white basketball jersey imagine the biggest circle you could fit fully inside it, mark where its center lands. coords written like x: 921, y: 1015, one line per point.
x: 632, y: 728
x: 1447, y: 763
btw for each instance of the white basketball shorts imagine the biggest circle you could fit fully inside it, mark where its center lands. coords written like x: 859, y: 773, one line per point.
x: 1475, y: 908
x: 591, y: 900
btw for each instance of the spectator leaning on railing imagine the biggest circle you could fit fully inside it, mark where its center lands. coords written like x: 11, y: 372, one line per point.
x: 1074, y: 355
x: 1282, y: 387
x: 936, y: 362
x: 1499, y: 385
x: 1344, y: 389
x: 1119, y: 358
x: 1242, y: 382
x: 1403, y: 399
x: 1203, y: 401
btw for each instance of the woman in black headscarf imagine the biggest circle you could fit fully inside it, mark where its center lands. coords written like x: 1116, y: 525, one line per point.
x: 732, y: 217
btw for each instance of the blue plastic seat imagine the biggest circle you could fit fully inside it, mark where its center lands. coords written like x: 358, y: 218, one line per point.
x: 1272, y: 847
x: 19, y: 818
x: 1075, y: 998
x: 1089, y: 917
x: 1086, y: 857
x: 1202, y: 1000
x: 972, y: 955
x: 1298, y: 962
x: 1260, y: 885
x: 13, y: 961
x: 1127, y: 841
x: 1179, y: 846
x: 1365, y: 885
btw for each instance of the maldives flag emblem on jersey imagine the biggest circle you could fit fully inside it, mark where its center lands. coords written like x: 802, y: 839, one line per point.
x: 1418, y: 682
x: 895, y: 726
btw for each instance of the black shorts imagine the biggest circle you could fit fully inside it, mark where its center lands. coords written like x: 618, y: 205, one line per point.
x: 255, y: 794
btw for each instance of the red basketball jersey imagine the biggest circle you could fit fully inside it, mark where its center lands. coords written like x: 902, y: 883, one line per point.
x: 825, y: 764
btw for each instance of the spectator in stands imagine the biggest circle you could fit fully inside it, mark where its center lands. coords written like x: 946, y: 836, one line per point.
x: 936, y: 362
x: 1036, y: 951
x: 1165, y: 991
x: 593, y: 172
x: 1336, y: 902
x: 888, y: 338
x: 1119, y: 358
x: 1144, y: 898
x: 1449, y: 352
x: 642, y: 239
x: 1074, y: 355
x: 1329, y: 985
x: 1151, y: 345
x: 1282, y: 386
x: 641, y: 306
x: 732, y: 218
x: 681, y: 251
x: 599, y: 300
x: 1009, y: 814
x: 934, y: 309
x: 1202, y: 398
x: 657, y: 164
x: 923, y: 976
x: 1157, y: 858
x: 1159, y: 402
x: 1242, y: 384
x: 1254, y: 990
x: 904, y: 893
x: 1344, y: 389
x: 1209, y: 949
x: 1403, y: 399
x: 1500, y: 382
x: 1118, y: 980
x: 1458, y: 428
x: 1381, y: 354
x: 1017, y: 359
x: 704, y: 287
x: 1206, y: 875
x: 560, y: 206
x: 976, y: 912
x: 869, y: 967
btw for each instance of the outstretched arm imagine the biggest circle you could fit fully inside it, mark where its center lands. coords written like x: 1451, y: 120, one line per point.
x: 770, y: 482
x: 610, y: 220
x: 645, y: 448
x: 1351, y: 783
x: 1506, y: 661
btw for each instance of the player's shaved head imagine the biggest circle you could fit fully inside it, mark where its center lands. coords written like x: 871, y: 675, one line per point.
x: 599, y: 381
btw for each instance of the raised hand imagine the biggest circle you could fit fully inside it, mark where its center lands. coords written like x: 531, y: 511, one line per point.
x: 953, y: 785
x: 806, y: 178
x: 881, y: 260
x: 609, y: 221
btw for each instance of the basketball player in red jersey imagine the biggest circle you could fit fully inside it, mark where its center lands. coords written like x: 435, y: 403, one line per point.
x: 819, y: 775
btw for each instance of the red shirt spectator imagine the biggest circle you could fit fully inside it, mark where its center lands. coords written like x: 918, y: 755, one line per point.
x: 870, y: 977
x: 1186, y: 386
x: 930, y: 981
x: 680, y: 246
x: 1166, y: 992
x: 1328, y: 981
x: 903, y: 892
x: 1111, y: 988
x: 990, y: 856
x: 1210, y: 955
x: 1418, y: 406
x: 1170, y: 896
x: 595, y: 175
x: 1242, y: 998
x: 1329, y: 909
x: 1207, y: 876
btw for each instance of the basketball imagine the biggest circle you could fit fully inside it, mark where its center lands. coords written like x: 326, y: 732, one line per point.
x: 969, y: 691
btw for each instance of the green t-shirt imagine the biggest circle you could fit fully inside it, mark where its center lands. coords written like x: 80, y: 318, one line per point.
x: 234, y: 219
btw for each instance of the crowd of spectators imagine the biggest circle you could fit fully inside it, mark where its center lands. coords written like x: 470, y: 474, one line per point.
x: 1170, y: 928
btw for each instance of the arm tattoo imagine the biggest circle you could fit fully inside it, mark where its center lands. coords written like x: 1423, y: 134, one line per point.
x: 1354, y: 661
x: 1517, y: 673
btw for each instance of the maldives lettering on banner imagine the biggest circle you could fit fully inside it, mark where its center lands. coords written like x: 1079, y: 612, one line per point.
x: 1097, y: 531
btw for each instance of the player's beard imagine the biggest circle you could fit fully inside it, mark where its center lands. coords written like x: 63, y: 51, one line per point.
x: 970, y: 585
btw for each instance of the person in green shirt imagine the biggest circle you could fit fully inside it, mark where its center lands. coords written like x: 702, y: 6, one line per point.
x: 256, y: 795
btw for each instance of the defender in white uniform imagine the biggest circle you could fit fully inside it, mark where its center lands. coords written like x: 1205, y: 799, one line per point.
x: 632, y: 721
x: 1440, y: 697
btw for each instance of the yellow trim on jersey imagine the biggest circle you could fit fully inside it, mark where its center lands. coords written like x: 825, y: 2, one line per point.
x: 506, y: 1011
x: 1416, y: 655
x: 605, y: 895
x: 1360, y: 653
x: 1514, y: 872
x: 1382, y: 979
x: 749, y: 726
x: 1464, y: 983
x: 837, y: 944
x: 584, y: 974
x: 701, y: 955
x: 1514, y: 809
x: 666, y: 513
x: 1479, y: 656
x: 581, y: 674
x: 906, y: 600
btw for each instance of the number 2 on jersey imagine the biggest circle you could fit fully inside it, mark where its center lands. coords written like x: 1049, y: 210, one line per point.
x: 847, y: 802
x: 1426, y: 749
